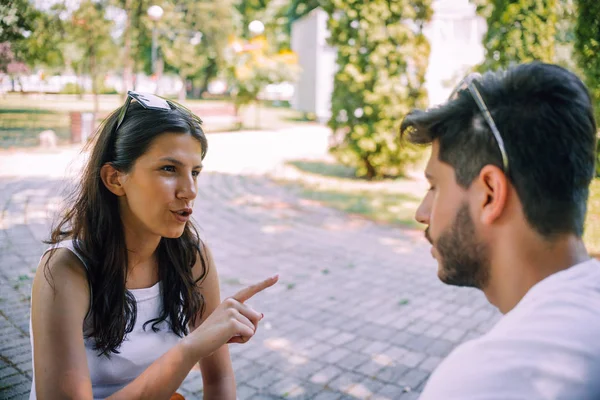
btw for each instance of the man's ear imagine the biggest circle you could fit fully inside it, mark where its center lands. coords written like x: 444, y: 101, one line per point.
x: 491, y: 193
x: 111, y: 178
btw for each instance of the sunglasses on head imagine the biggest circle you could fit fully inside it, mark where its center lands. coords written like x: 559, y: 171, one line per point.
x: 147, y: 100
x: 468, y: 83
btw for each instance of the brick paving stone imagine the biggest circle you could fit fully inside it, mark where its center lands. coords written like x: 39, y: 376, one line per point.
x: 392, y: 374
x: 345, y: 381
x: 419, y: 343
x: 414, y: 377
x: 327, y: 395
x: 430, y: 363
x: 245, y: 392
x: 357, y: 344
x: 336, y: 355
x: 389, y: 392
x: 265, y: 380
x: 454, y: 334
x: 376, y: 347
x: 19, y: 391
x: 440, y: 347
x: 326, y: 375
x: 412, y: 359
x: 353, y: 360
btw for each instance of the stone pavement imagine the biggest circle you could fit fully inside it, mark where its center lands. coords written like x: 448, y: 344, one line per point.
x: 358, y: 312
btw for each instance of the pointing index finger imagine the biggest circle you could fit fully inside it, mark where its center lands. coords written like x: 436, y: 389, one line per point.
x: 251, y: 290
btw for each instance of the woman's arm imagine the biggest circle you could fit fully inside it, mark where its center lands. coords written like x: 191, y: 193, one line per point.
x: 217, y: 373
x: 230, y: 322
x: 57, y: 314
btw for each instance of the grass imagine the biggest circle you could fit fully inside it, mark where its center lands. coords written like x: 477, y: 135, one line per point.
x: 386, y: 207
x: 334, y: 185
x: 323, y: 168
x: 22, y: 125
x: 592, y: 223
x: 393, y: 201
x: 23, y: 117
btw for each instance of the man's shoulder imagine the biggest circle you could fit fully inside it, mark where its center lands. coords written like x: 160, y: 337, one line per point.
x: 566, y: 304
x: 548, y: 341
x: 493, y: 367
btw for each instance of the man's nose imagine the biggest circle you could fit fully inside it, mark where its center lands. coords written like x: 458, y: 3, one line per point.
x: 422, y: 214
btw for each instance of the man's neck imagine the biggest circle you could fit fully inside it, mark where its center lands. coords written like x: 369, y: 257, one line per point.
x: 519, y: 267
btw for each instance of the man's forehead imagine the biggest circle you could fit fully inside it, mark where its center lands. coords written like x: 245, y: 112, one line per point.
x: 437, y: 169
x: 433, y: 161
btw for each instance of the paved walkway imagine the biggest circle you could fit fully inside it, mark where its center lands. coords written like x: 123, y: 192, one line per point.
x: 358, y: 312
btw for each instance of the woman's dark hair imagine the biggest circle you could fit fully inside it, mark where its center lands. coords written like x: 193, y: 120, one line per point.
x: 546, y: 118
x: 92, y: 221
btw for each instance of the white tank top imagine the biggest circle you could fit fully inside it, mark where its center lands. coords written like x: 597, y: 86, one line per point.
x: 139, y: 349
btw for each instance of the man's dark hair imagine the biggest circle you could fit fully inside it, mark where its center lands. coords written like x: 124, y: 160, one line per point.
x: 545, y: 116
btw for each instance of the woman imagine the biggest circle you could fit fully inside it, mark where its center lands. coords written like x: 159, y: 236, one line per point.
x: 127, y: 299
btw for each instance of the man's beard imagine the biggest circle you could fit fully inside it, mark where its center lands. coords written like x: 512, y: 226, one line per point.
x: 463, y: 259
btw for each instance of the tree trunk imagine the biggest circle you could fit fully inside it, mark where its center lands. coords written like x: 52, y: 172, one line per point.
x: 210, y: 73
x: 159, y: 73
x: 183, y: 91
x: 81, y: 82
x: 196, y: 89
x: 127, y: 63
x: 20, y: 84
x: 371, y: 172
x: 94, y: 75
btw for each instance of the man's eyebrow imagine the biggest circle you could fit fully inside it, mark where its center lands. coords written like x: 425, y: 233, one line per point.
x: 179, y: 163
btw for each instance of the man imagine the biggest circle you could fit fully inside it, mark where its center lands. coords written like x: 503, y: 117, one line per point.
x: 512, y: 160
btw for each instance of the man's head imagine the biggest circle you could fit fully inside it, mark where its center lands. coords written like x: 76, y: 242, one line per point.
x: 545, y: 118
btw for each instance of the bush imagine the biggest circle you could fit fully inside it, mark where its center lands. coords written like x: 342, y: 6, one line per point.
x: 382, y: 57
x: 107, y: 90
x: 72, y: 88
x: 587, y: 45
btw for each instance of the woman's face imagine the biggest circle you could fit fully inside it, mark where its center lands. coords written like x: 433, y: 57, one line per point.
x: 160, y: 189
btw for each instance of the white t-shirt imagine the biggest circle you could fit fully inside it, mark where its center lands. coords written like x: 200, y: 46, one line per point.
x: 546, y: 348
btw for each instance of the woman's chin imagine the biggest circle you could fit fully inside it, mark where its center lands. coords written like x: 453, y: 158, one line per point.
x: 173, y: 233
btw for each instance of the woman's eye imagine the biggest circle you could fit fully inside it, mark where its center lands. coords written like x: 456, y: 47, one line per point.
x: 195, y: 173
x: 168, y: 168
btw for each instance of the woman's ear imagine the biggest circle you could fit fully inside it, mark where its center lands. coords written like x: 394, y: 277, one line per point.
x: 111, y: 178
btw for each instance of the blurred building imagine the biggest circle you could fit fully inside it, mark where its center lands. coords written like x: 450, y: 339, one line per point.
x: 312, y: 92
x: 455, y: 34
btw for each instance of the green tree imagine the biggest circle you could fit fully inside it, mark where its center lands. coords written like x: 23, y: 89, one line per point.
x: 382, y: 57
x: 564, y: 53
x: 194, y: 35
x: 587, y: 45
x: 90, y: 31
x: 253, y: 65
x: 518, y: 31
x: 10, y: 65
x: 30, y: 37
x: 248, y: 11
x: 15, y: 19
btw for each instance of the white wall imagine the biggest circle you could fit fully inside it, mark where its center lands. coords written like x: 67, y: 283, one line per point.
x: 313, y: 89
x: 455, y: 34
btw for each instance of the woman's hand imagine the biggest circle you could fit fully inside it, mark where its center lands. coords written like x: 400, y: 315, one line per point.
x: 231, y: 322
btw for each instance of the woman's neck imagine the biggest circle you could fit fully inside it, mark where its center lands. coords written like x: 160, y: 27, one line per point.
x: 142, y: 266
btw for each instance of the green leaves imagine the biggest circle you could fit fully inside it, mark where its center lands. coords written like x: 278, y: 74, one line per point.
x: 382, y: 59
x: 518, y: 31
x: 194, y: 34
x: 587, y: 33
